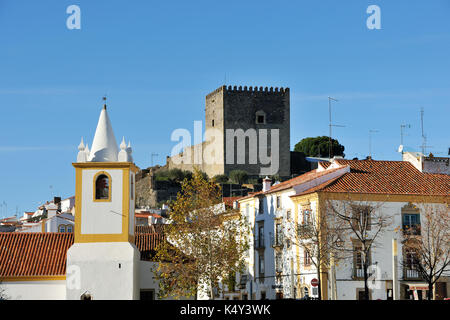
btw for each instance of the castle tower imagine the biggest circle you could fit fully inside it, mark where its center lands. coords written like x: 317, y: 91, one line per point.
x: 103, y: 261
x: 257, y: 109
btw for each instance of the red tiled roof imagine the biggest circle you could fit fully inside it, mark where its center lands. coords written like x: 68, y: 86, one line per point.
x: 386, y: 177
x: 308, y: 176
x: 33, y: 254
x: 230, y: 200
x: 37, y: 254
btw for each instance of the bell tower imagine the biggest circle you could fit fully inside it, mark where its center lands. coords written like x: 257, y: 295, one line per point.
x: 103, y: 261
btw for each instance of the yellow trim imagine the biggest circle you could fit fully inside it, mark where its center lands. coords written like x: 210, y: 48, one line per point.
x: 32, y: 278
x: 78, y: 194
x: 106, y: 165
x: 126, y: 203
x: 43, y: 226
x: 374, y: 197
x: 94, y: 190
x: 120, y: 237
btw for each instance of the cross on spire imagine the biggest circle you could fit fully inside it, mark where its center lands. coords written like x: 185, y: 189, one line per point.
x: 104, y: 103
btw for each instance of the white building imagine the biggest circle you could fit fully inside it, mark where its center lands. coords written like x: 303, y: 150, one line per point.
x: 103, y: 258
x: 429, y: 164
x: 279, y: 268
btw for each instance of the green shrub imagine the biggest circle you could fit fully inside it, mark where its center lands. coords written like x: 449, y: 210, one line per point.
x: 239, y: 176
x: 220, y: 178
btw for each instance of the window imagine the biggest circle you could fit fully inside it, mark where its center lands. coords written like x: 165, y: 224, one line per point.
x: 260, y: 117
x: 69, y: 228
x: 278, y: 234
x: 307, y: 216
x: 212, y: 123
x: 307, y: 258
x: 361, y: 218
x: 410, y: 264
x: 102, y: 187
x: 358, y: 263
x: 261, y: 206
x: 62, y: 228
x: 411, y: 223
x: 278, y: 202
x: 278, y: 262
x: 288, y: 215
x: 261, y: 265
x: 261, y: 236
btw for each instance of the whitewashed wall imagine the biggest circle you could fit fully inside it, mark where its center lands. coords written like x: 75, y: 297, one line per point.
x: 35, y: 290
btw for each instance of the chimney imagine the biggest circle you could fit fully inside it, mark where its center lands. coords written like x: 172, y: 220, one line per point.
x: 266, y: 184
x: 51, y: 210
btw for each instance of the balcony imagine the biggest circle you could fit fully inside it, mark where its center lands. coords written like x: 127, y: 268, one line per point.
x: 411, y: 274
x: 411, y: 230
x: 277, y: 240
x: 304, y: 231
x: 243, y: 282
x: 359, y: 273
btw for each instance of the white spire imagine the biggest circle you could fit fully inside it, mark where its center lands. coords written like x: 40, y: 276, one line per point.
x: 123, y: 154
x: 104, y: 146
x: 81, y: 157
x: 129, y: 151
x: 86, y: 150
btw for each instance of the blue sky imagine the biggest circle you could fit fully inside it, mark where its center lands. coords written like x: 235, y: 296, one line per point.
x: 156, y: 61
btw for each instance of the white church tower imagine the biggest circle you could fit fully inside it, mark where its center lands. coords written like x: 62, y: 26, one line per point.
x: 103, y: 261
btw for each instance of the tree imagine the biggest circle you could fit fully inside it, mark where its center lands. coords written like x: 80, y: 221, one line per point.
x: 176, y: 175
x: 365, y: 222
x: 205, y: 241
x: 429, y: 243
x: 220, y: 178
x: 320, y: 236
x: 319, y: 147
x: 238, y: 176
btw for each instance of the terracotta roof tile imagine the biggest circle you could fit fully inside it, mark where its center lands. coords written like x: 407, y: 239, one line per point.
x: 308, y: 176
x: 37, y: 254
x: 386, y: 177
x: 33, y: 254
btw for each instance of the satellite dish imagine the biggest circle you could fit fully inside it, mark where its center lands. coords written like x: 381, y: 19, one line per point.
x: 400, y: 148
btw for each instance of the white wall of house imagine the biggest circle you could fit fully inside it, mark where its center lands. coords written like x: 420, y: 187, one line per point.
x: 269, y: 283
x: 381, y: 257
x: 34, y: 290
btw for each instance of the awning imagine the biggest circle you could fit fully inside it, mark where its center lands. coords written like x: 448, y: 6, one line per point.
x: 417, y: 286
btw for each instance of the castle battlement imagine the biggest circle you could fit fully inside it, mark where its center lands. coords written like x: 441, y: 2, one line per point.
x: 251, y: 90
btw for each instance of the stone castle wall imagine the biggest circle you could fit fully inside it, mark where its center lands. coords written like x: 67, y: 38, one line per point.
x: 237, y: 108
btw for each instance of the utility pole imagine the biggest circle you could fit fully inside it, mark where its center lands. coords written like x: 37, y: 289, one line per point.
x: 330, y: 149
x: 370, y: 142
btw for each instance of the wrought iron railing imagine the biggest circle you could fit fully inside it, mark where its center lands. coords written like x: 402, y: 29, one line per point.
x: 276, y: 240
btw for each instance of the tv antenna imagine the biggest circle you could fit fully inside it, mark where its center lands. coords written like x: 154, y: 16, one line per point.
x: 403, y: 127
x: 330, y: 149
x: 370, y: 142
x: 424, y: 137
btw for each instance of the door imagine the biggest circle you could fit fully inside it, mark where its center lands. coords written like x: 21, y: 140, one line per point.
x: 441, y: 290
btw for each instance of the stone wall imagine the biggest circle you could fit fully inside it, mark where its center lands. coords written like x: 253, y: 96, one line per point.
x: 237, y: 108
